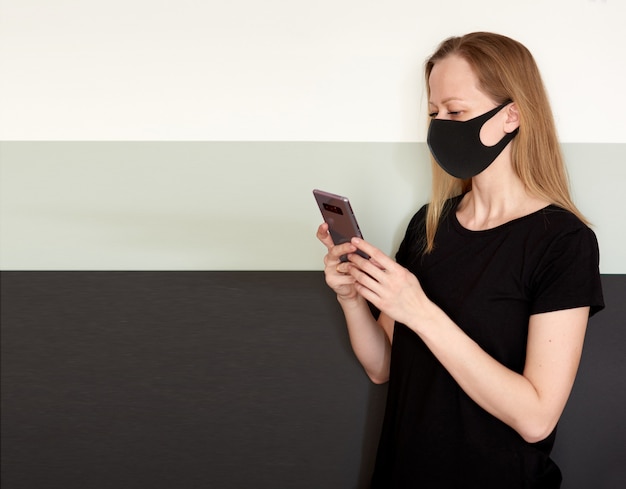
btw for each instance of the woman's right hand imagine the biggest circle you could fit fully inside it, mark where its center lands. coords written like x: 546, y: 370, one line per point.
x: 336, y: 271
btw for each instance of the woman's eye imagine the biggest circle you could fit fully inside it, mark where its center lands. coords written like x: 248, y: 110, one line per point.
x: 452, y: 113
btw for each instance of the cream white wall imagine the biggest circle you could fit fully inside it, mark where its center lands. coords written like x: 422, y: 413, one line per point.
x: 283, y: 70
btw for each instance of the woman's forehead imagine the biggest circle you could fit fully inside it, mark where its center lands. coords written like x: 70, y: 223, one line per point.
x: 452, y: 78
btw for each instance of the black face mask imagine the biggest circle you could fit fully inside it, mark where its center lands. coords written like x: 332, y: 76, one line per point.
x: 457, y: 147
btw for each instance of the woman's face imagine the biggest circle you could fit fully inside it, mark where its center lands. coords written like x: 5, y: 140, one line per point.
x: 454, y: 95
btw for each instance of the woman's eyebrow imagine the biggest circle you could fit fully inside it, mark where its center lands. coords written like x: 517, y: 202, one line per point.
x: 445, y: 101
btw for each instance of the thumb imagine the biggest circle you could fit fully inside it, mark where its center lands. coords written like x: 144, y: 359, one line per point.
x: 324, y: 236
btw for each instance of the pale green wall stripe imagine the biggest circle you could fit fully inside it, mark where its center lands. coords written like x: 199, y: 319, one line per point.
x: 235, y: 205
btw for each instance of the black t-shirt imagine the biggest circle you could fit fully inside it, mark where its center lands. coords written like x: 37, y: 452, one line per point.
x: 489, y: 283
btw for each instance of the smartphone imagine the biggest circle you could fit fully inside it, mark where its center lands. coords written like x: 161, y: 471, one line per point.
x: 337, y: 213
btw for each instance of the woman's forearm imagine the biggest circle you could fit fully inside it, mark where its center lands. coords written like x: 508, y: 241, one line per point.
x: 532, y: 402
x: 369, y: 339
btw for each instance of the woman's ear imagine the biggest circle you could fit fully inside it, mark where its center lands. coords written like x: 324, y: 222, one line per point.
x: 512, y: 118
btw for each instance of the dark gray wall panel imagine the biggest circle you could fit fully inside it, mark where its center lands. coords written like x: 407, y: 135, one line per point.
x: 229, y: 380
x: 591, y: 442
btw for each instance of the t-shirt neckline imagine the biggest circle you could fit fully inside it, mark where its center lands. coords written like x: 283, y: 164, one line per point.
x: 497, y: 228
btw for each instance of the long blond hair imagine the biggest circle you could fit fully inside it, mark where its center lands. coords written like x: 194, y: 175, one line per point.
x: 506, y: 70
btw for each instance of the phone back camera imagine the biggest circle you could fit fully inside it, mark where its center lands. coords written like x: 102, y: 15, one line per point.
x: 333, y: 208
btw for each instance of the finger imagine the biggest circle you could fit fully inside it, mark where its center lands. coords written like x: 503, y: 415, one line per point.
x: 344, y: 267
x: 368, y: 294
x: 377, y: 257
x: 336, y: 279
x: 366, y: 272
x: 366, y: 263
x: 340, y: 250
x: 371, y: 279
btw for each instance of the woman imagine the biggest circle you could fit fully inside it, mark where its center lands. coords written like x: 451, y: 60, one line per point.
x: 483, y: 314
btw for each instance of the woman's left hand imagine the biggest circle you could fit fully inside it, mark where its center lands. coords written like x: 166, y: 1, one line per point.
x: 389, y: 286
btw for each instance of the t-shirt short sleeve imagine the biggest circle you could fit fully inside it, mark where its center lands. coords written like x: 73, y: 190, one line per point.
x: 568, y: 274
x: 415, y: 234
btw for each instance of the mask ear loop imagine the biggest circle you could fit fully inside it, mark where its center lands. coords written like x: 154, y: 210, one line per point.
x: 492, y: 113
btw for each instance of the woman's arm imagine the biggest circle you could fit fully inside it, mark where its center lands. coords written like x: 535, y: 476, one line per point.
x: 531, y: 402
x: 370, y: 339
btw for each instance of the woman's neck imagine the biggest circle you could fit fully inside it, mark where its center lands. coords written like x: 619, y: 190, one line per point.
x: 497, y: 196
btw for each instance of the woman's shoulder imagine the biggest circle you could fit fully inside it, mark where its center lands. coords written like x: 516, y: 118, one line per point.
x: 558, y: 222
x: 559, y: 217
x: 557, y: 237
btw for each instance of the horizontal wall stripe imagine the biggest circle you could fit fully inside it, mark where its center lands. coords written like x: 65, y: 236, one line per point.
x: 236, y: 205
